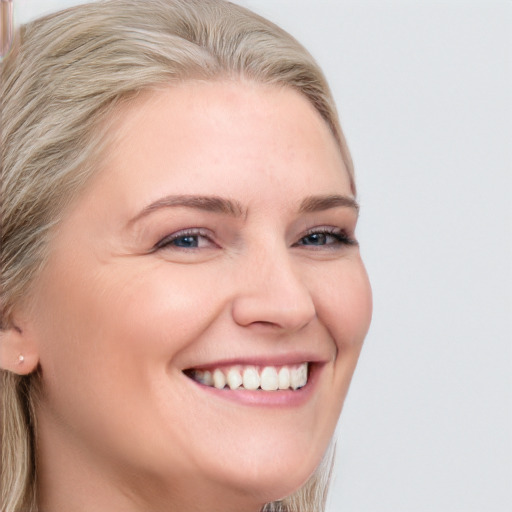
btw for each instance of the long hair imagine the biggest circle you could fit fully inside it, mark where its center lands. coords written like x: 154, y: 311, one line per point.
x: 66, y: 74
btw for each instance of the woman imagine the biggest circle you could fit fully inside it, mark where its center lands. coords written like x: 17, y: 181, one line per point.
x: 183, y: 300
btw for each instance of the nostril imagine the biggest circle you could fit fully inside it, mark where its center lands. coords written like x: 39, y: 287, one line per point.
x: 273, y: 312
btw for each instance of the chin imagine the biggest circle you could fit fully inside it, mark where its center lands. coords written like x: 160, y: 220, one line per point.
x: 281, y: 487
x: 274, y: 478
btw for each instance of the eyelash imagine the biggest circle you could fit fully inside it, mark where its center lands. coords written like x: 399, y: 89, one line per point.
x: 169, y: 239
x: 340, y: 236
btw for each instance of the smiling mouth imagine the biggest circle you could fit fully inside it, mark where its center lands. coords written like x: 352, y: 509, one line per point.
x: 251, y: 378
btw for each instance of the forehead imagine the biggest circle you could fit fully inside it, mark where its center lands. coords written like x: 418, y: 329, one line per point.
x: 198, y: 136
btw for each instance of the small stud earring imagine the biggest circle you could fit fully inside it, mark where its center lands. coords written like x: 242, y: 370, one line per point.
x: 21, y: 359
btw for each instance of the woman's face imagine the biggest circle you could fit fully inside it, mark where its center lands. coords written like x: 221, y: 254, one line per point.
x: 218, y: 237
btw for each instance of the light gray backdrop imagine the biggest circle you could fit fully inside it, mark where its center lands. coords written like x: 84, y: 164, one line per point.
x: 424, y: 92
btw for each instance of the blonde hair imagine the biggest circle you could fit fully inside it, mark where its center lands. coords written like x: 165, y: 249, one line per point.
x: 67, y: 74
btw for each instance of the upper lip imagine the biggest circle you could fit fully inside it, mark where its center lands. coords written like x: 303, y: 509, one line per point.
x: 262, y: 360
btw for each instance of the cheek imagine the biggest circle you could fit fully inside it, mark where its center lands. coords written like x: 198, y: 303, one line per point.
x: 346, y: 311
x: 167, y: 308
x: 111, y: 334
x: 346, y: 306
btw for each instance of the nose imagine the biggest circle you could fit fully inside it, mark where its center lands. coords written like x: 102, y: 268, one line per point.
x: 271, y: 291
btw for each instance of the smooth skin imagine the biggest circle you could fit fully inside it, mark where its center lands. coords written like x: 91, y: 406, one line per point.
x: 140, y: 286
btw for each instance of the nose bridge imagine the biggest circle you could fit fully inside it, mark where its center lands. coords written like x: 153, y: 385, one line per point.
x: 270, y: 290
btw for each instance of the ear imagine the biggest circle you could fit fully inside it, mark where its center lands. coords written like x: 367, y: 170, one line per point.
x: 18, y: 352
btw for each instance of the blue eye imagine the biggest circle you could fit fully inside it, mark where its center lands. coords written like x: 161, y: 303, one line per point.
x: 326, y: 237
x: 315, y: 239
x: 186, y: 241
x: 189, y: 239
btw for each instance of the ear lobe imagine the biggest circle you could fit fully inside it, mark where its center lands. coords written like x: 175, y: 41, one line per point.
x: 18, y: 354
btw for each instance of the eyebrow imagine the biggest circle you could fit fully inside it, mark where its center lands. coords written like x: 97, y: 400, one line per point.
x: 235, y: 209
x: 320, y: 203
x: 206, y: 203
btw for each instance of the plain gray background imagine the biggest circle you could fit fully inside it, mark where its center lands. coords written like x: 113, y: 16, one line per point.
x: 424, y: 93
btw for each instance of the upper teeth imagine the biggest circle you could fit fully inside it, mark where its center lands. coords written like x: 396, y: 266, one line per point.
x: 268, y: 378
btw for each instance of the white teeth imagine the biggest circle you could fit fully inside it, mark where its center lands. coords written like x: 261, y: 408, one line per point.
x: 219, y: 381
x: 269, y: 380
x: 299, y: 376
x: 234, y: 378
x: 284, y: 378
x: 251, y: 378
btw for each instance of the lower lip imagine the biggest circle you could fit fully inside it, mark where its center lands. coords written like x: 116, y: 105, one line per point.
x: 278, y: 398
